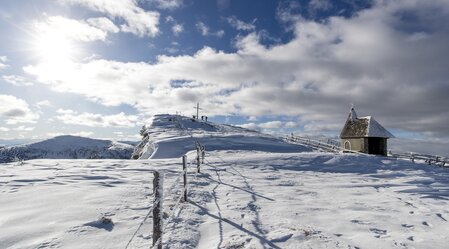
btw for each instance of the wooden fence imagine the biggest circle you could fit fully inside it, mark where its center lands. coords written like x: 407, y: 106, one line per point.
x: 329, y: 145
x: 158, y: 198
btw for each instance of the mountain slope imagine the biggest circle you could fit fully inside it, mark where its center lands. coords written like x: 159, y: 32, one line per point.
x: 67, y: 147
x: 171, y: 136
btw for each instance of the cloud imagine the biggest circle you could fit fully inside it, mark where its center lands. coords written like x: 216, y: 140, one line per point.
x: 167, y: 4
x: 240, y: 25
x: 14, y: 111
x: 177, y: 29
x: 23, y: 128
x: 291, y: 124
x: 271, y: 125
x: 392, y: 67
x: 97, y: 120
x: 320, y: 4
x: 71, y: 29
x: 79, y: 134
x: 4, y: 129
x: 16, y: 80
x: 251, y: 126
x: 104, y: 24
x: 3, y: 59
x: 205, y: 31
x: 43, y: 103
x: 136, y: 20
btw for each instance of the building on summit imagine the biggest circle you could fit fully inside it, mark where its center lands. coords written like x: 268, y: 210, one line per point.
x: 364, y: 134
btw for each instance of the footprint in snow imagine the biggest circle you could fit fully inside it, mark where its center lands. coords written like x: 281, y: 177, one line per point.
x: 407, y: 226
x: 441, y: 216
x: 282, y: 238
x: 379, y: 232
x: 360, y: 222
x: 425, y: 223
x: 415, y: 239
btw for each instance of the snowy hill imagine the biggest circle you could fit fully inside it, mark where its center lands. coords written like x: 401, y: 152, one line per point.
x: 254, y: 191
x: 67, y: 147
x: 170, y: 136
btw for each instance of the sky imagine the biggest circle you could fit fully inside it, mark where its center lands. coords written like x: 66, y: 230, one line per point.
x: 102, y: 68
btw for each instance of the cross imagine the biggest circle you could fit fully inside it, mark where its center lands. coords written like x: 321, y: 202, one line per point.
x: 197, y: 110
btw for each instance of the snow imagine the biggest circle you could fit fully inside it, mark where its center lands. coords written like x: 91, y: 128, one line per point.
x: 67, y: 147
x: 172, y: 136
x: 376, y: 130
x: 250, y: 196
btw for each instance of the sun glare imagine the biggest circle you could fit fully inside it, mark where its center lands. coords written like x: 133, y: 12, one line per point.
x: 54, y: 48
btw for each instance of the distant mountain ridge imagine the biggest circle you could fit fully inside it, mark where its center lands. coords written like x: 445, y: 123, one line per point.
x: 67, y: 147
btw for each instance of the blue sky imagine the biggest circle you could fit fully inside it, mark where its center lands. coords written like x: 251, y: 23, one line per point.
x: 102, y: 68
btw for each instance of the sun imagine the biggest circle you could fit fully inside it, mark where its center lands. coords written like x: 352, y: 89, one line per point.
x: 53, y: 47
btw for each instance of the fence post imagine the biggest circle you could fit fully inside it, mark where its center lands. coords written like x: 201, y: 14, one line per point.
x: 157, y: 211
x: 198, y: 158
x: 203, y: 153
x: 184, y: 170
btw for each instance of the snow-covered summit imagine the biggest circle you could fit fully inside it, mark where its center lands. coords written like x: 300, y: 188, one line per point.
x: 67, y: 147
x: 170, y: 136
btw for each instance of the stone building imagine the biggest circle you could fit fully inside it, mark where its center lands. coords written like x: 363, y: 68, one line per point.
x: 364, y: 135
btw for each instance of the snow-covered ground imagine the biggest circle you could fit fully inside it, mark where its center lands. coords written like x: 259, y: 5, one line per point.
x: 260, y: 195
x: 67, y: 147
x: 241, y: 199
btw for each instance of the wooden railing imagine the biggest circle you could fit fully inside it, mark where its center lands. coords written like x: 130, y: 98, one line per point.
x: 330, y: 145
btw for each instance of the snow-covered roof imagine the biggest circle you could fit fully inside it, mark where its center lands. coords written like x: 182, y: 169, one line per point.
x: 356, y: 127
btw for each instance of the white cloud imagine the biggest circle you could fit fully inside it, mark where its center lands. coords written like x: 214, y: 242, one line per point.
x: 177, y: 29
x: 71, y: 29
x: 3, y: 59
x: 320, y: 4
x: 167, y: 4
x: 271, y: 125
x: 252, y: 118
x: 98, y: 120
x: 23, y: 128
x: 251, y: 126
x: 16, y: 80
x: 240, y: 25
x: 205, y: 31
x: 4, y: 129
x: 291, y: 124
x: 79, y: 134
x: 43, y: 103
x: 315, y: 76
x: 104, y: 24
x: 14, y: 110
x: 65, y: 111
x: 137, y: 20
